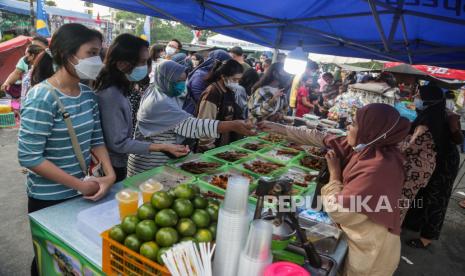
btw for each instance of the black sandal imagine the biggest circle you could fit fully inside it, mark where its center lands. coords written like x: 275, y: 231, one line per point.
x: 417, y: 243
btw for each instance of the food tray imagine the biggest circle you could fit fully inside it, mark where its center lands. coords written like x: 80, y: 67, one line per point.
x: 240, y: 166
x: 252, y: 140
x: 167, y: 176
x: 7, y: 120
x: 298, y: 174
x: 213, y: 153
x: 119, y: 260
x: 197, y: 158
x: 228, y: 171
x: 319, y: 160
x: 280, y: 158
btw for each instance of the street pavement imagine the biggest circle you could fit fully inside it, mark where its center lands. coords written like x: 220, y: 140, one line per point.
x: 444, y: 257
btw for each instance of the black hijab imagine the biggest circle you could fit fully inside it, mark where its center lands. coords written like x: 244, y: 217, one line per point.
x: 434, y: 116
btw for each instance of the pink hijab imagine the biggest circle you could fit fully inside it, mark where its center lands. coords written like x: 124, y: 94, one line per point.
x: 377, y: 170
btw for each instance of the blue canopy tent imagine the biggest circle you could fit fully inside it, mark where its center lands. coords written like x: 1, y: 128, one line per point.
x: 411, y: 31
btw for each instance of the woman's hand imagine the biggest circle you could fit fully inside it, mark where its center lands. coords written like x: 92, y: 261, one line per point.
x: 176, y: 150
x: 88, y: 187
x: 243, y: 127
x: 104, y: 184
x: 334, y: 166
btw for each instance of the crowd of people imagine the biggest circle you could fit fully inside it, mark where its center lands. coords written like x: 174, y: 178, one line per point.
x: 134, y: 107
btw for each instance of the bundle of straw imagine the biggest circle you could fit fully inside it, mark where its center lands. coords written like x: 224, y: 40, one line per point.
x: 189, y: 259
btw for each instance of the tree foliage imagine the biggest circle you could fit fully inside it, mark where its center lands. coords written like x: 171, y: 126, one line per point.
x: 162, y: 30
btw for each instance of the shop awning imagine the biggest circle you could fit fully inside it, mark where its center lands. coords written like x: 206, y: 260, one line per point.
x: 415, y: 32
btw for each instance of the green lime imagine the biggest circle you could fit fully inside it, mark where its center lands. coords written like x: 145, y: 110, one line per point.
x: 161, y: 200
x: 184, y: 191
x: 166, y: 237
x: 117, y: 233
x: 183, y: 207
x: 186, y: 227
x: 203, y: 235
x: 212, y: 229
x: 129, y: 224
x: 212, y: 211
x: 145, y: 230
x: 150, y: 250
x: 160, y: 253
x: 215, y: 202
x: 171, y: 193
x: 196, y: 189
x: 166, y: 217
x: 200, y: 202
x: 201, y: 218
x: 188, y: 239
x: 146, y: 211
x: 132, y: 242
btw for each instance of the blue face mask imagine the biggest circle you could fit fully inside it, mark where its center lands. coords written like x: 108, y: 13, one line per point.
x: 138, y: 73
x: 177, y: 89
x: 418, y: 104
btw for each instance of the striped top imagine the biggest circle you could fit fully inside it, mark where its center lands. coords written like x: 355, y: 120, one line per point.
x: 190, y: 128
x: 43, y: 136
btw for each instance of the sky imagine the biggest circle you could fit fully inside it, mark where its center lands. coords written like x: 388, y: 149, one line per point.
x: 77, y: 5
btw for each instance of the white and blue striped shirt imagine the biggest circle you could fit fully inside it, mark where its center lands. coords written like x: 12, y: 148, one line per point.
x: 43, y: 136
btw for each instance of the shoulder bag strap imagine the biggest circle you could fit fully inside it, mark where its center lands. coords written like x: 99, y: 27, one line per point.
x: 72, y: 134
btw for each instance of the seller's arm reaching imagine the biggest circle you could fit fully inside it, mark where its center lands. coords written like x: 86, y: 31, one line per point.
x: 299, y: 135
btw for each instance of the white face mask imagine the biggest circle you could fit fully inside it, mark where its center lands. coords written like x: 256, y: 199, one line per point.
x: 195, y: 63
x: 450, y: 104
x: 170, y: 50
x: 232, y: 85
x: 89, y: 68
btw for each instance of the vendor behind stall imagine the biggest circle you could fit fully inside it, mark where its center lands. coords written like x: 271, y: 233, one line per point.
x: 365, y: 164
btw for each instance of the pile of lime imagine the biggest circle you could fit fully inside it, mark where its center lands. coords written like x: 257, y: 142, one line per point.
x: 179, y: 214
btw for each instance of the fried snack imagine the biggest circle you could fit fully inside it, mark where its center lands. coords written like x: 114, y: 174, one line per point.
x: 274, y: 138
x: 312, y: 162
x: 292, y: 152
x: 231, y: 156
x: 199, y: 167
x: 221, y: 180
x: 253, y: 147
x: 262, y: 167
x: 209, y: 194
x: 295, y: 146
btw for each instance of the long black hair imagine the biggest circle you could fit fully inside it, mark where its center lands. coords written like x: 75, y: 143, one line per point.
x: 227, y: 68
x: 249, y: 79
x: 269, y: 76
x: 125, y: 47
x: 434, y: 116
x: 65, y: 43
x: 156, y: 50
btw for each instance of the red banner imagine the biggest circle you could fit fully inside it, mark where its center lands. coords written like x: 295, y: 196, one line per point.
x: 439, y: 72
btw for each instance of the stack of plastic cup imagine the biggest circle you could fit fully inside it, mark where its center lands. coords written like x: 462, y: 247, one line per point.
x: 256, y: 255
x: 233, y: 224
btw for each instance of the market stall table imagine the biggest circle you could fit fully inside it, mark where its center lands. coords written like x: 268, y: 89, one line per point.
x: 63, y: 247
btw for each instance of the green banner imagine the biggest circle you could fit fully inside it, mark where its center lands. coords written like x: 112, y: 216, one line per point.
x: 54, y: 257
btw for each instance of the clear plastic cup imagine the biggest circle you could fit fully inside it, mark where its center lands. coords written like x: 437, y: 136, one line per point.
x: 258, y: 245
x: 237, y: 194
x: 252, y: 267
x: 148, y: 188
x: 128, y: 201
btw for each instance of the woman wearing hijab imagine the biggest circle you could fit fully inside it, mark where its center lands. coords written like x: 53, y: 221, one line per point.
x: 196, y: 80
x: 268, y: 101
x: 162, y: 121
x: 218, y: 101
x: 125, y: 63
x: 365, y: 167
x: 445, y: 129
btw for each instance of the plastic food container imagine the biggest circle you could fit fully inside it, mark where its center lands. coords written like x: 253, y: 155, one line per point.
x: 194, y: 169
x: 167, y: 176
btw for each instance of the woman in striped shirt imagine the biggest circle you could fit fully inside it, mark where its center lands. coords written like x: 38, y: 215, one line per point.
x: 125, y: 64
x: 162, y: 121
x: 45, y: 146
